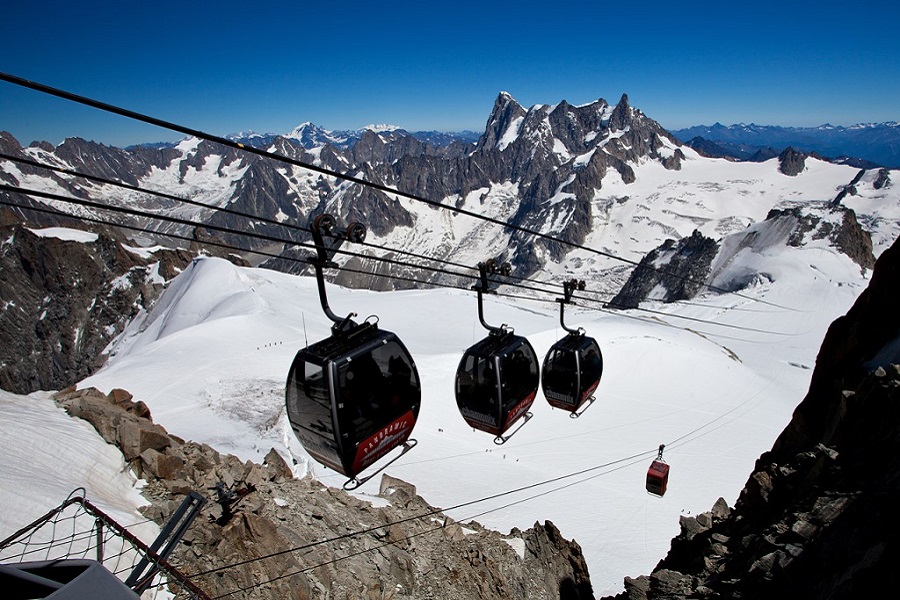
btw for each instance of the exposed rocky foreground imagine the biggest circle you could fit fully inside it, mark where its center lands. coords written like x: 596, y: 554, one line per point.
x: 406, y: 548
x: 818, y: 515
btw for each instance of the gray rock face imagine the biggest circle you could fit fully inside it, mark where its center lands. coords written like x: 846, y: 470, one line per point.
x: 849, y: 237
x: 791, y: 162
x: 112, y: 163
x: 679, y: 268
x: 267, y: 535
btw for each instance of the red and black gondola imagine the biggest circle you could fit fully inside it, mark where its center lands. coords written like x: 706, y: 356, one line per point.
x: 354, y: 396
x: 498, y: 377
x: 496, y: 382
x: 571, y: 372
x: 658, y: 475
x: 574, y: 364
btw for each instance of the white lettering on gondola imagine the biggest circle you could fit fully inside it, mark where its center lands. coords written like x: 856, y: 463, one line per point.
x: 557, y: 396
x: 481, y: 417
x: 379, y: 438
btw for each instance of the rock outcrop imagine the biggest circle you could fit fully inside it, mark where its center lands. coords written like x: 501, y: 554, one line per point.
x: 817, y: 517
x: 883, y: 180
x: 838, y: 224
x: 791, y: 162
x: 680, y: 270
x: 265, y: 534
x: 674, y: 271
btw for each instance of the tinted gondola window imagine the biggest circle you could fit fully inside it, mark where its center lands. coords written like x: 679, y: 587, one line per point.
x: 309, y: 408
x: 560, y: 372
x: 309, y: 405
x: 519, y: 374
x: 476, y: 388
x: 376, y: 387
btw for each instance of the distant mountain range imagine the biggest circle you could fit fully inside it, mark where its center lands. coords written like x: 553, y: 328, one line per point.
x: 865, y: 145
x: 310, y: 136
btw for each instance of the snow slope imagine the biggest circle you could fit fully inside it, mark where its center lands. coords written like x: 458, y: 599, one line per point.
x: 47, y: 455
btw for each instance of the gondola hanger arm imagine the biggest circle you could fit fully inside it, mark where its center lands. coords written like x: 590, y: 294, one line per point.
x: 569, y: 288
x: 328, y: 237
x: 483, y: 286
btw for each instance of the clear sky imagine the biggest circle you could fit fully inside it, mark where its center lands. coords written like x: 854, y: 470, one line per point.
x: 268, y: 66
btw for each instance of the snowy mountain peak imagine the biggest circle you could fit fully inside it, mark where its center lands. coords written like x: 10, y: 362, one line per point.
x: 380, y: 128
x: 247, y: 135
x: 311, y: 136
x: 302, y: 128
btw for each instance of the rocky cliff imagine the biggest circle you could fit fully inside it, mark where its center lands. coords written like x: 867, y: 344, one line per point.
x: 537, y: 168
x: 674, y: 271
x: 265, y: 534
x: 65, y: 300
x: 817, y: 517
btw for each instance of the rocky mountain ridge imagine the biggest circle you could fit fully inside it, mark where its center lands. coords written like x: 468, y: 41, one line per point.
x: 550, y: 158
x: 545, y: 168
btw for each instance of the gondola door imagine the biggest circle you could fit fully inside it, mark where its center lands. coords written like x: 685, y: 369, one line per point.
x: 519, y: 379
x: 377, y: 401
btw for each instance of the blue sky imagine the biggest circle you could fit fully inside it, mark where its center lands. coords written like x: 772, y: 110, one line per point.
x: 230, y: 66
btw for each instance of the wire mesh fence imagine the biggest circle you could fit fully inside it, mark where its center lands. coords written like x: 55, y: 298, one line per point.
x: 79, y: 530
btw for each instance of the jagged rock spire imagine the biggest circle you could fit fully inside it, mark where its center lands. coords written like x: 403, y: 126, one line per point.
x: 621, y: 115
x: 505, y: 111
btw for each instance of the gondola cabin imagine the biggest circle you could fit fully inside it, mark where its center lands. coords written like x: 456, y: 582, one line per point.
x: 353, y: 397
x: 571, y: 371
x: 657, y: 477
x: 496, y: 382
